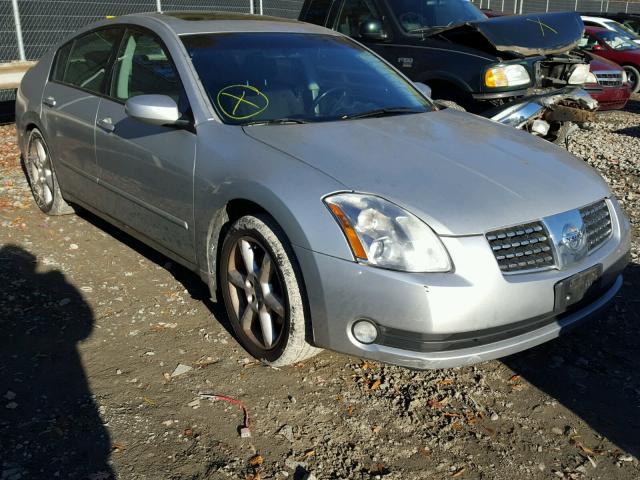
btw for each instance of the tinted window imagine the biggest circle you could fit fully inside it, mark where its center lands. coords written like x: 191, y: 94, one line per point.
x: 61, y: 62
x: 417, y: 15
x: 88, y: 61
x: 143, y: 67
x: 354, y: 14
x: 253, y: 77
x: 317, y: 11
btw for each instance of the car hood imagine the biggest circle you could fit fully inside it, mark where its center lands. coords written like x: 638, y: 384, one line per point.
x: 533, y: 34
x: 599, y: 64
x: 460, y: 173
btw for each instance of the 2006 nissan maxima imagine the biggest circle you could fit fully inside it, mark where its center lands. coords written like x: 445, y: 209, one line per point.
x: 318, y: 192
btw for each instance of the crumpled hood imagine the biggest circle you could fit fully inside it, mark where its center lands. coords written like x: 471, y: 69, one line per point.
x: 533, y: 34
x: 460, y: 173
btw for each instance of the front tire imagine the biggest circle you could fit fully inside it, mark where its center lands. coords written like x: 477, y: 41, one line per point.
x: 263, y: 292
x: 633, y: 77
x: 42, y: 176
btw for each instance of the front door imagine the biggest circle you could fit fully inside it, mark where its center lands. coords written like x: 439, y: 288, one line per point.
x: 70, y: 103
x: 146, y: 171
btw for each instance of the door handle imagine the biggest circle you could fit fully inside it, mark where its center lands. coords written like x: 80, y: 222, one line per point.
x: 49, y: 102
x: 106, y: 124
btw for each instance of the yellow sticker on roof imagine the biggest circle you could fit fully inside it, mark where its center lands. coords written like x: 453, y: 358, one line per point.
x: 240, y: 102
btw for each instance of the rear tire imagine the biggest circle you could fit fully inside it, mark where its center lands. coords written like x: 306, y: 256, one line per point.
x: 263, y: 292
x: 42, y: 176
x: 633, y: 78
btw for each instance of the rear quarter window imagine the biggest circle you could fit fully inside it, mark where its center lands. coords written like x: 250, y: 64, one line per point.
x: 60, y: 62
x: 87, y: 63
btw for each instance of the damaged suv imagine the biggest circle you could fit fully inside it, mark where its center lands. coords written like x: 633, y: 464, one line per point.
x: 518, y: 70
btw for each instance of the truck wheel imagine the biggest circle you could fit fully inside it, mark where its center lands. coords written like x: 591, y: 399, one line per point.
x: 442, y: 104
x: 633, y: 78
x: 42, y: 176
x: 263, y: 292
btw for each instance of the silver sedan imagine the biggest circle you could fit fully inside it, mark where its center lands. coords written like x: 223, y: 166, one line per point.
x: 322, y: 197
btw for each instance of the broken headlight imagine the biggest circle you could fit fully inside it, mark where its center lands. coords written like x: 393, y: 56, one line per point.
x: 506, y: 76
x: 579, y: 75
x: 591, y: 78
x: 382, y: 234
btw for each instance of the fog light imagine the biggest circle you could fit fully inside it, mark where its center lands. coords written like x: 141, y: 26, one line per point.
x: 365, y: 331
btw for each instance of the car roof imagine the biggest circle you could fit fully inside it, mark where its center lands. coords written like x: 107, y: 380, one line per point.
x: 595, y: 19
x: 193, y: 22
x: 629, y: 15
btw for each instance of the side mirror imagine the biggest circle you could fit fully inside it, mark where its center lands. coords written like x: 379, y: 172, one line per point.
x: 423, y: 88
x: 372, y: 30
x: 153, y: 109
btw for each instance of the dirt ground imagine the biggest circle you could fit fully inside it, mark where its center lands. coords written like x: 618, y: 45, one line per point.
x: 93, y: 326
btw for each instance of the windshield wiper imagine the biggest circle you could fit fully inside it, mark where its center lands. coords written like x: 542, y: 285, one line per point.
x: 276, y: 121
x: 432, y: 29
x: 425, y: 29
x: 382, y: 112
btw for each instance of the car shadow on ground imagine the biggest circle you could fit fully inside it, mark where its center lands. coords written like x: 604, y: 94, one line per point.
x: 51, y: 424
x: 593, y: 370
x: 629, y: 131
x: 633, y: 105
x: 191, y: 282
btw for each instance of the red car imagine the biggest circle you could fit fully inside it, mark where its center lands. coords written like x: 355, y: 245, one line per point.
x: 617, y: 48
x: 607, y: 84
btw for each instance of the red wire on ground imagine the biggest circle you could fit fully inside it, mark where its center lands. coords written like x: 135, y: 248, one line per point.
x: 245, y: 431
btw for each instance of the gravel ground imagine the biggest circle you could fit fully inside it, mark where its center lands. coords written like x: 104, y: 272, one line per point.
x: 109, y: 355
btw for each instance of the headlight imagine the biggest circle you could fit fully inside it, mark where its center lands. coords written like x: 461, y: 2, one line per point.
x: 591, y: 78
x: 382, y: 234
x: 506, y: 76
x: 624, y: 77
x: 579, y: 75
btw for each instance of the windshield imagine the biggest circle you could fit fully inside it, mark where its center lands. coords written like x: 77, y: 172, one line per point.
x: 419, y: 15
x: 617, y: 41
x: 621, y: 29
x: 263, y: 77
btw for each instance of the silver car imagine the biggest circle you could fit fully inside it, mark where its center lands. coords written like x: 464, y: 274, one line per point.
x: 318, y: 192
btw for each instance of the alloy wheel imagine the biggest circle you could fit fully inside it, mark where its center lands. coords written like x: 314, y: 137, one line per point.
x: 38, y: 165
x: 257, y: 292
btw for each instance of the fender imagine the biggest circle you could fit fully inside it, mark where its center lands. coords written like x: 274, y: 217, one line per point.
x: 219, y: 181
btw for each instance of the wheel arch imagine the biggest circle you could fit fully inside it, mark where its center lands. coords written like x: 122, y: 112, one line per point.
x: 232, y: 210
x: 29, y: 122
x: 447, y: 87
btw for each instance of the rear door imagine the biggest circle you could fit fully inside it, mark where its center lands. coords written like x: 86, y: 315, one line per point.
x: 70, y: 103
x: 146, y: 171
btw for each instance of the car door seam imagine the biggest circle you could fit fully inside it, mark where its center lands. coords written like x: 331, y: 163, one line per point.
x: 152, y: 208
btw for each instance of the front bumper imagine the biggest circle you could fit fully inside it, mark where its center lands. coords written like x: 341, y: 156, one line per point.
x: 609, y: 98
x: 446, y: 320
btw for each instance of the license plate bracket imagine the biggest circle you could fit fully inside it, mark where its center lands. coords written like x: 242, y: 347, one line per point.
x: 575, y: 288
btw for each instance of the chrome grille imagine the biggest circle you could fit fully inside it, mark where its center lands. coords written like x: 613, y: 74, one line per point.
x: 524, y: 247
x: 597, y: 223
x: 609, y: 79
